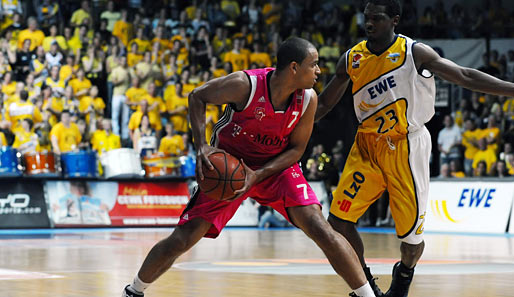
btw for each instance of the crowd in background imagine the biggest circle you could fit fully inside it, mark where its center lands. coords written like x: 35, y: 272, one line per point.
x: 99, y: 75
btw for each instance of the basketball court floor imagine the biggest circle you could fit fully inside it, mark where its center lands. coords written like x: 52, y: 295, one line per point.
x: 241, y: 262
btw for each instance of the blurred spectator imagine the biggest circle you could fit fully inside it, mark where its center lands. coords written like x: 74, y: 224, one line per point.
x: 103, y: 140
x: 110, y: 15
x: 259, y: 57
x: 26, y: 141
x: 239, y: 60
x: 48, y: 13
x: 53, y: 57
x: 22, y: 60
x: 145, y: 140
x: 65, y: 135
x: 484, y: 154
x: 32, y: 33
x: 136, y: 117
x: 9, y: 8
x: 122, y: 28
x: 177, y: 107
x: 92, y: 107
x: 171, y: 143
x: 85, y: 141
x: 81, y: 14
x: 156, y: 105
x: 68, y: 70
x: 456, y: 169
x: 81, y: 84
x: 499, y: 169
x: 39, y: 67
x: 134, y: 94
x: 481, y: 169
x: 491, y: 134
x: 470, y: 138
x: 20, y: 109
x: 448, y: 141
x: 56, y: 84
x: 120, y: 111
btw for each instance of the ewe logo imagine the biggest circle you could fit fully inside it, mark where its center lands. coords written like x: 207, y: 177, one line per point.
x: 470, y: 198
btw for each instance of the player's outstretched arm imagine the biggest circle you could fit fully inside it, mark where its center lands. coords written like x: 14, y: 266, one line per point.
x: 469, y: 78
x: 334, y: 90
x: 231, y: 89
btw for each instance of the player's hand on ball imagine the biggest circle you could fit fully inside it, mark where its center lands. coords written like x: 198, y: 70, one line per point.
x: 202, y: 157
x: 250, y: 180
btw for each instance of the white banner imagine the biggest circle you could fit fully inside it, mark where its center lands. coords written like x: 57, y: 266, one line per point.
x: 465, y: 52
x: 478, y: 207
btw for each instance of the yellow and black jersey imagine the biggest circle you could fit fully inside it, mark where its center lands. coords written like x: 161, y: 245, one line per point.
x: 385, y: 87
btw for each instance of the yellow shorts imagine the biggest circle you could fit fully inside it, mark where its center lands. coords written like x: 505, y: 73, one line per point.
x: 399, y: 164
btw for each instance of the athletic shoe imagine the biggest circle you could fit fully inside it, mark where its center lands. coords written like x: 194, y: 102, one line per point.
x: 402, y: 277
x: 371, y: 281
x: 128, y: 293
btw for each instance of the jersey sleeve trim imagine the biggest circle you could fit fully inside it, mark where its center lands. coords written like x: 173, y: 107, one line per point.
x: 253, y: 88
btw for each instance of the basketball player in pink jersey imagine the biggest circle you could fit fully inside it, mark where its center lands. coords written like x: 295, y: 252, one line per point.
x: 267, y: 123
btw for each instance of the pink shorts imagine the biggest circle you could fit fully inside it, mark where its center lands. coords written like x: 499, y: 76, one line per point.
x: 280, y: 191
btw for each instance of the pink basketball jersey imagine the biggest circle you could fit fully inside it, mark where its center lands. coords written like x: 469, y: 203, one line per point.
x: 258, y: 133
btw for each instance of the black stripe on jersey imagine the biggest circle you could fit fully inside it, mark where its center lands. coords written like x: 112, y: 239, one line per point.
x: 383, y: 107
x: 192, y: 201
x: 224, y: 120
x: 375, y: 79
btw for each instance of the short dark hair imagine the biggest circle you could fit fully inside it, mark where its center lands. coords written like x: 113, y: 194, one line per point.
x: 294, y: 49
x: 393, y: 7
x: 30, y: 122
x: 24, y: 95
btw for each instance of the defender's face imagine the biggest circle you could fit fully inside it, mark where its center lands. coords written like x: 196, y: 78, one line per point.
x: 376, y: 21
x: 308, y: 70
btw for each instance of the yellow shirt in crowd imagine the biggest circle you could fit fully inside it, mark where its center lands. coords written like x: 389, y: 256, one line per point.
x: 68, y: 138
x: 173, y: 145
x: 101, y: 142
x: 135, y: 121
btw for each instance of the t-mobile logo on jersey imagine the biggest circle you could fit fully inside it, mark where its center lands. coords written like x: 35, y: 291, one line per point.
x: 270, y: 140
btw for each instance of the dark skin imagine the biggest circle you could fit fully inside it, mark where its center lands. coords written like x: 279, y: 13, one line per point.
x: 380, y: 30
x: 235, y: 89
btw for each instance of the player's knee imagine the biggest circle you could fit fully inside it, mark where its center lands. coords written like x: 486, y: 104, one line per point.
x: 412, y: 250
x: 341, y: 226
x: 178, y: 243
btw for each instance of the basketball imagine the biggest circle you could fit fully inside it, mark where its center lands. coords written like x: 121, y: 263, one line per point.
x: 228, y: 176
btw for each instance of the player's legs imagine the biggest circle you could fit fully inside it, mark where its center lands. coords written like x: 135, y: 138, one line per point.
x: 165, y: 252
x: 203, y: 217
x: 360, y: 185
x: 337, y: 249
x: 290, y: 194
x: 407, y: 182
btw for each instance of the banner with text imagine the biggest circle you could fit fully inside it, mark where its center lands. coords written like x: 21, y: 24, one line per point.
x: 478, y: 207
x: 116, y: 203
x: 22, y: 205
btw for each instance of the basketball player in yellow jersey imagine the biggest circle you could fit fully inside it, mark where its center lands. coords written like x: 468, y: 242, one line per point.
x: 393, y: 95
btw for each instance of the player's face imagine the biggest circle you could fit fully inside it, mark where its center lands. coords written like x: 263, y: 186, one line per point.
x: 377, y: 23
x: 308, y: 70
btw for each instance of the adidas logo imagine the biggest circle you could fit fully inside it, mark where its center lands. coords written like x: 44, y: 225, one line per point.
x: 185, y: 217
x: 262, y: 99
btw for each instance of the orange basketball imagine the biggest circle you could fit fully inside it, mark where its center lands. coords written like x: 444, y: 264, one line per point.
x: 228, y: 176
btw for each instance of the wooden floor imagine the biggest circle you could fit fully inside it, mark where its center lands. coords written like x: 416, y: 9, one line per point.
x: 242, y: 262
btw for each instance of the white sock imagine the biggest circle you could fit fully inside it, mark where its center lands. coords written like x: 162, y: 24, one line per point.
x: 365, y: 291
x: 138, y: 286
